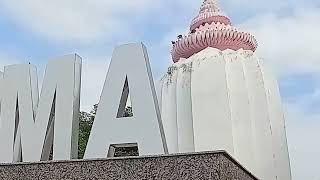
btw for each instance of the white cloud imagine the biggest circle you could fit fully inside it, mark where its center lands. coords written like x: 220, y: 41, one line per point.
x: 263, y: 6
x: 291, y: 43
x: 302, y: 132
x: 94, y: 70
x: 84, y: 20
x: 91, y: 20
x: 7, y: 59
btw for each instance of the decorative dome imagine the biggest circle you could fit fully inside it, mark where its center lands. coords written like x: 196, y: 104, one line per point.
x: 211, y: 28
x: 209, y: 13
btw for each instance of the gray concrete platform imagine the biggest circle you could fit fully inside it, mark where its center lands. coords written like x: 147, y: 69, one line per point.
x: 196, y: 166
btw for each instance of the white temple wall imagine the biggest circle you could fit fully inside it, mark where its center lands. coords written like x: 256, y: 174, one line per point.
x: 210, y: 103
x: 260, y: 120
x: 234, y: 105
x: 169, y: 110
x: 240, y: 110
x: 279, y: 139
x: 184, y: 109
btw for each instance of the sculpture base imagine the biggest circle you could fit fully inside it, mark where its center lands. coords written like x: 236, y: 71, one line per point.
x: 204, y: 165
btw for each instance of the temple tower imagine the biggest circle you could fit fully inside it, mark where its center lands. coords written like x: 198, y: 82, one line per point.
x: 217, y: 95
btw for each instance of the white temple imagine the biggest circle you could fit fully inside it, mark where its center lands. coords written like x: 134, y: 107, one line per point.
x: 219, y: 96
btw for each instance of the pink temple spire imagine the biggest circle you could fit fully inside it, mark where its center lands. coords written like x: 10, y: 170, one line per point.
x: 209, y: 12
x: 211, y: 28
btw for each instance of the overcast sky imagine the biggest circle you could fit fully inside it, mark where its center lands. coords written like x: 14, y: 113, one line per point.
x: 288, y: 32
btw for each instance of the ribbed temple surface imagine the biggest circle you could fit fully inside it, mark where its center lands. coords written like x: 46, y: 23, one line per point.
x: 211, y: 28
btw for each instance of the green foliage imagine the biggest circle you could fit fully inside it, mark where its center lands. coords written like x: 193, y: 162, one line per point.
x: 128, y: 112
x: 85, y: 125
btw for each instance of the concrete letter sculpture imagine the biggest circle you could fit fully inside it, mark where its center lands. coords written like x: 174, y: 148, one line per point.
x: 129, y: 67
x: 29, y: 125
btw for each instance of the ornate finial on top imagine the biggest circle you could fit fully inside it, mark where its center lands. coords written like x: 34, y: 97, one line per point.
x: 209, y: 12
x: 211, y: 28
x: 209, y: 5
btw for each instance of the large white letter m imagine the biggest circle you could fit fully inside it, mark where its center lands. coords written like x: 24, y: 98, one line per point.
x: 29, y: 126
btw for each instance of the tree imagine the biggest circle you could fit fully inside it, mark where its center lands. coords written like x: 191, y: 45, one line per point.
x: 85, y: 125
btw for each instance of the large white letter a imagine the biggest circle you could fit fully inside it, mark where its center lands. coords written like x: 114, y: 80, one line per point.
x: 129, y: 66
